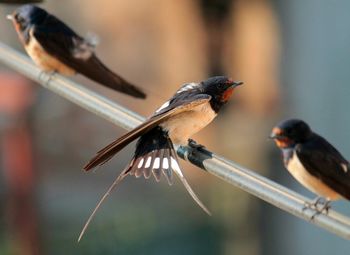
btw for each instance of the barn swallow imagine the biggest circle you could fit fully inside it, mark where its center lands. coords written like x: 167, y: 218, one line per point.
x: 55, y: 47
x: 313, y: 162
x: 192, y: 108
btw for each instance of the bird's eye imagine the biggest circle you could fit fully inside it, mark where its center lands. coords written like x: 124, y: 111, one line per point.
x: 221, y: 86
x: 288, y: 131
x: 20, y: 21
x: 19, y: 18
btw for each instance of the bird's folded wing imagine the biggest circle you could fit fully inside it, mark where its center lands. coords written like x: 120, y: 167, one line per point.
x: 324, y: 162
x: 58, y: 39
x: 172, y: 109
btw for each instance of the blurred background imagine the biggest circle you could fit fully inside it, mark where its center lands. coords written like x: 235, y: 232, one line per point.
x: 294, y: 58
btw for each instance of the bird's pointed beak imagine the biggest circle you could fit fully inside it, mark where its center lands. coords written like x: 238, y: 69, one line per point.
x: 277, y: 133
x: 272, y: 136
x: 237, y: 83
x: 9, y: 17
x: 276, y: 136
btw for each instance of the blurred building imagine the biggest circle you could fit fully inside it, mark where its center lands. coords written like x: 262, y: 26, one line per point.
x: 292, y: 57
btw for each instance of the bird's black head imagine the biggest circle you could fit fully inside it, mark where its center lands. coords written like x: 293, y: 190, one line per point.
x: 290, y: 132
x: 220, y: 88
x: 26, y: 16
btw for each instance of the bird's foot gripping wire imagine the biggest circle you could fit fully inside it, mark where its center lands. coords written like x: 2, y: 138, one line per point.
x: 319, y: 205
x: 49, y: 75
x: 193, y: 144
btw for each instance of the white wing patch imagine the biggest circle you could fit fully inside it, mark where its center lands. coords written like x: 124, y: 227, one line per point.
x: 86, y: 48
x: 345, y: 167
x: 187, y: 86
x: 92, y: 39
x: 166, y: 104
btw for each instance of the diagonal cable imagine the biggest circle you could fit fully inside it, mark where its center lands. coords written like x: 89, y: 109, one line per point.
x: 220, y: 167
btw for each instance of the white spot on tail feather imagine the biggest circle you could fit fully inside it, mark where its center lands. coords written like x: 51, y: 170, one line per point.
x: 175, y: 166
x: 148, y: 162
x: 156, y: 163
x: 140, y: 163
x: 165, y: 163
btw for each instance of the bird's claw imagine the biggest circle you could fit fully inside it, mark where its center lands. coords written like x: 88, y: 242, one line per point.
x: 50, y: 75
x: 193, y: 144
x: 315, y: 205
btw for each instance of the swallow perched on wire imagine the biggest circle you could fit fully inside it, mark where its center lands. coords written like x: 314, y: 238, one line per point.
x: 55, y: 47
x: 313, y: 162
x: 192, y: 108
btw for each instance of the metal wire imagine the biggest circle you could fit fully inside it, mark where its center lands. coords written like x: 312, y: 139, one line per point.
x: 226, y: 170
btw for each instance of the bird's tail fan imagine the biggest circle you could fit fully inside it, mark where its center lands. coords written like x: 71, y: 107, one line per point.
x: 155, y: 155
